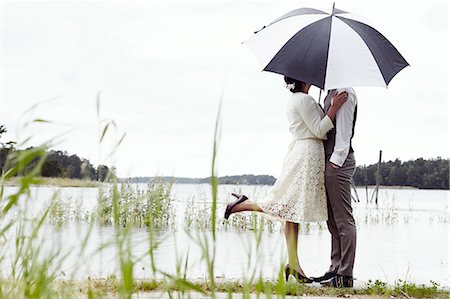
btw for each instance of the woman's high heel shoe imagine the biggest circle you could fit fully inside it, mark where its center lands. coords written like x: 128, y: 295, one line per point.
x: 230, y: 206
x: 300, y: 278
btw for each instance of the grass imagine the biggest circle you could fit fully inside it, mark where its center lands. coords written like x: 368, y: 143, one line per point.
x: 32, y: 269
x: 62, y: 210
x: 136, y: 207
x: 138, y: 204
x: 111, y: 285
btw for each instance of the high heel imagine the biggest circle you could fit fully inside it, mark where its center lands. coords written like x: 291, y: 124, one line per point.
x: 300, y: 278
x: 230, y: 206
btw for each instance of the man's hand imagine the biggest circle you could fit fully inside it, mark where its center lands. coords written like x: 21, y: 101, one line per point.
x: 336, y: 103
x: 339, y: 99
x: 334, y: 165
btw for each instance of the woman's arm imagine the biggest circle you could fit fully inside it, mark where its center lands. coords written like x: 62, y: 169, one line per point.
x: 320, y: 126
x: 313, y: 119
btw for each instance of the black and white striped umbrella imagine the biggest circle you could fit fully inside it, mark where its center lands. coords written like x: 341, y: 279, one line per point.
x: 327, y: 50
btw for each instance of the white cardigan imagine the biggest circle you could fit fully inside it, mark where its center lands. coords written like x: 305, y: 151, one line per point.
x: 306, y: 118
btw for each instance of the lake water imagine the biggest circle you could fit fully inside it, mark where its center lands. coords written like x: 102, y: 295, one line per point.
x: 405, y: 237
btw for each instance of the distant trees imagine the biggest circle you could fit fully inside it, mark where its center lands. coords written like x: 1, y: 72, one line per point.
x: 56, y: 164
x: 248, y: 179
x: 5, y: 147
x: 61, y: 164
x: 102, y: 173
x: 419, y: 173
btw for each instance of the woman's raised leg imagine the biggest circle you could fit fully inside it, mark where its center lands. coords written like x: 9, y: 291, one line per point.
x: 240, y: 205
x: 247, y: 205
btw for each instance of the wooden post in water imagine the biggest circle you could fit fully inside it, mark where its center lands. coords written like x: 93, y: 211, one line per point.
x: 365, y: 183
x: 378, y: 180
x: 352, y: 182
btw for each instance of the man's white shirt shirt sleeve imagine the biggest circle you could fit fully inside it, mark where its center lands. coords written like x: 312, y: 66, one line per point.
x: 344, y: 128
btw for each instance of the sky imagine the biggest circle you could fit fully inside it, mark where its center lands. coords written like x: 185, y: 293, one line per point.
x: 161, y: 68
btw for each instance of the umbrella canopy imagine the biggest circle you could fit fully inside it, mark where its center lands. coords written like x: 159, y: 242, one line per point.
x: 327, y: 50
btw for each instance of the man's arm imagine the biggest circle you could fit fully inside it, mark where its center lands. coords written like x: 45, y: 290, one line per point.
x: 344, y: 128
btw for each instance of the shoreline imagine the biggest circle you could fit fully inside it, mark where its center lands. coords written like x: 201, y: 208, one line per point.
x: 394, y: 187
x: 68, y: 182
x: 57, y: 182
x: 225, y: 288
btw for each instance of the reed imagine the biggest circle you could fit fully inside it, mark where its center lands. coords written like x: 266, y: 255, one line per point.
x: 32, y: 269
x: 63, y: 210
x: 136, y: 207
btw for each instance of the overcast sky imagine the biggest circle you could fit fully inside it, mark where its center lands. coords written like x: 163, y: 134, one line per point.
x: 161, y: 67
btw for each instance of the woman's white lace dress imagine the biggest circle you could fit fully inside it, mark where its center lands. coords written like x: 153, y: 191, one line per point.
x: 299, y: 195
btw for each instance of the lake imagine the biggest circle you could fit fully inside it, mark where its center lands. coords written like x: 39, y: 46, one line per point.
x: 405, y: 236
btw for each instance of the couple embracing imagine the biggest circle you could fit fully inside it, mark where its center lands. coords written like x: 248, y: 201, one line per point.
x: 314, y: 184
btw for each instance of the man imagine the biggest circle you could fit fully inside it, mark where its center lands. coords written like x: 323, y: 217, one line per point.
x: 340, y: 167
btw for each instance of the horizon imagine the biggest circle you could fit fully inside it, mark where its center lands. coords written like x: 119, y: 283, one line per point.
x: 246, y: 174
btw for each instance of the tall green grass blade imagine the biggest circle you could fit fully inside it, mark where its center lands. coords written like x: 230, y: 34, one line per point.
x: 105, y: 130
x: 97, y: 101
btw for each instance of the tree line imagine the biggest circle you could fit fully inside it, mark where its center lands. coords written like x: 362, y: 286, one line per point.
x: 57, y: 163
x: 419, y: 173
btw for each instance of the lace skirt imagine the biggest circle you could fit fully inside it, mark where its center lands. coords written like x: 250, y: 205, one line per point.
x: 299, y: 194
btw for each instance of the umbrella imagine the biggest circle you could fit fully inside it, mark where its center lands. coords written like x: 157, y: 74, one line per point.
x: 329, y: 51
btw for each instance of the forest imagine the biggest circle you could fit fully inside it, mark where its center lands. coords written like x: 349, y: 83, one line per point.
x: 58, y: 164
x: 419, y: 173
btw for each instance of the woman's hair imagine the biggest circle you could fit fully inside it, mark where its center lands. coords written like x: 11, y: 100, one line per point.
x: 297, y: 85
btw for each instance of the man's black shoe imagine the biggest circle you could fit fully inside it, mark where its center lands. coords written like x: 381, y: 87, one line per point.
x: 339, y: 281
x: 327, y: 276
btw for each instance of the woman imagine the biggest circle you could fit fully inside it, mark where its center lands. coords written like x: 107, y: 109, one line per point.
x: 298, y: 195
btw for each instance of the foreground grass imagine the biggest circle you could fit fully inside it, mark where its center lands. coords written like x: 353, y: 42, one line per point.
x: 59, y: 182
x: 377, y: 289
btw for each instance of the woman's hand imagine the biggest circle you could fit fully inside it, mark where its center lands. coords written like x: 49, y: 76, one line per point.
x: 339, y: 100
x: 336, y: 103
